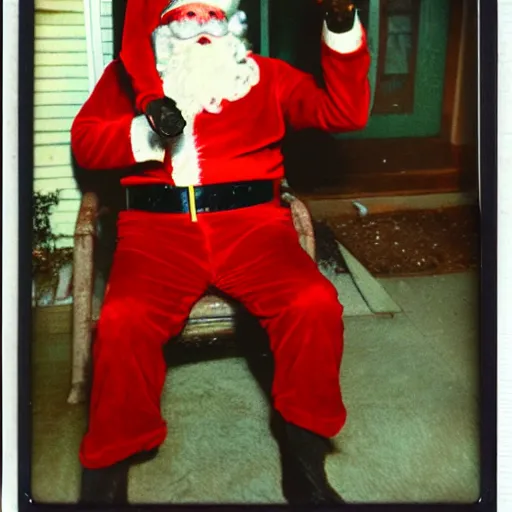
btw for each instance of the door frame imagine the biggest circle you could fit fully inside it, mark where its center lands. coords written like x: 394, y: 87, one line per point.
x: 413, y: 124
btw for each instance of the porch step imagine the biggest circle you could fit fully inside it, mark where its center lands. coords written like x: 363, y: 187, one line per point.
x: 374, y: 294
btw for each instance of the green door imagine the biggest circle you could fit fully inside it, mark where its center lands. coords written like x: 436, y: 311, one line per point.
x: 408, y: 42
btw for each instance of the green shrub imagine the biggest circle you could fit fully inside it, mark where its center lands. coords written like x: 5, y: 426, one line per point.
x: 47, y: 260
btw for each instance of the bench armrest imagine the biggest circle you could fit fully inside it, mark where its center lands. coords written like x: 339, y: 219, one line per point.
x: 301, y: 220
x: 87, y: 215
x: 83, y: 277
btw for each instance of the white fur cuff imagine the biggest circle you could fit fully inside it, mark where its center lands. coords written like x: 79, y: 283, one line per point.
x: 348, y: 42
x: 146, y: 144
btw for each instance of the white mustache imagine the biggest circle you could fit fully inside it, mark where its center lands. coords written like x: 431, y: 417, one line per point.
x: 187, y: 29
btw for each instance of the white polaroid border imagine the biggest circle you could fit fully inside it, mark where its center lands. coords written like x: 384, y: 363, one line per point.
x: 10, y: 228
x: 10, y: 237
x: 504, y: 370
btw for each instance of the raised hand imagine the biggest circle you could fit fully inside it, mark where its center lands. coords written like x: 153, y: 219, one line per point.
x: 339, y: 14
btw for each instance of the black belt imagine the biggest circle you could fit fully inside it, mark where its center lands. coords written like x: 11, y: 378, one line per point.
x: 161, y: 198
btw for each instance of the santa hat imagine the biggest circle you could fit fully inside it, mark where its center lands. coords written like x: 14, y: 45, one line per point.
x: 229, y: 7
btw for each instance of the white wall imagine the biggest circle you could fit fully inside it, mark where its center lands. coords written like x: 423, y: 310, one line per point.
x: 61, y: 87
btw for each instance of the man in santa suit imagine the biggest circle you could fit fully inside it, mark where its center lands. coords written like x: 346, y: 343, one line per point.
x: 203, y: 209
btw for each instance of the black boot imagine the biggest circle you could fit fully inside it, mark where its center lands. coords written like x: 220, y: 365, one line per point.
x: 109, y: 486
x: 105, y: 486
x: 303, y: 463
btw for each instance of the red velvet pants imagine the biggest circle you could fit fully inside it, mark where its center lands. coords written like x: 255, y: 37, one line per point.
x: 163, y: 264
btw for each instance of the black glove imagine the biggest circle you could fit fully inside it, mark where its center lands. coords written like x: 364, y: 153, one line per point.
x: 339, y: 14
x: 165, y: 117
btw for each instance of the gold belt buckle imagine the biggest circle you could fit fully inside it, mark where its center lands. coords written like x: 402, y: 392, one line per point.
x: 192, y: 203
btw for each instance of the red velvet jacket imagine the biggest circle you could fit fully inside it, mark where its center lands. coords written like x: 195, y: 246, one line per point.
x: 243, y: 141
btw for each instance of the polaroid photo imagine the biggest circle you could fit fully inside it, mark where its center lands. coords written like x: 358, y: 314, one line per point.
x: 251, y: 254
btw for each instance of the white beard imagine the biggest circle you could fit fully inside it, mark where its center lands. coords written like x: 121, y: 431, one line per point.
x: 199, y: 77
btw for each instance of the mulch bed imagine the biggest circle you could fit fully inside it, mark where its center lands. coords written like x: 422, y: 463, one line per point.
x: 417, y: 242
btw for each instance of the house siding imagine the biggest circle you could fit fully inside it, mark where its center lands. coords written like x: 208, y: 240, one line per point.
x: 61, y: 86
x: 107, y: 34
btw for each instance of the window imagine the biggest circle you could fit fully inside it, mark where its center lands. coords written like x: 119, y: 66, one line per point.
x: 398, y: 45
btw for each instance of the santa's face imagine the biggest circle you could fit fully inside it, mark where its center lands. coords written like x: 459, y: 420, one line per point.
x: 203, y: 59
x: 197, y: 23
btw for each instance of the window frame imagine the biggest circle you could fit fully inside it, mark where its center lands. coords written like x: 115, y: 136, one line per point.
x: 380, y: 105
x: 93, y: 36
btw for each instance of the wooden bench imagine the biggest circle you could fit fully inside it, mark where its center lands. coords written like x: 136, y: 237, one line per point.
x: 212, y: 317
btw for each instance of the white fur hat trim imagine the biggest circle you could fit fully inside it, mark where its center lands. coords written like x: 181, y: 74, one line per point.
x: 227, y: 6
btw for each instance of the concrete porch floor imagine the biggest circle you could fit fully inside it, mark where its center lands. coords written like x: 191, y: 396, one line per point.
x: 410, y: 385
